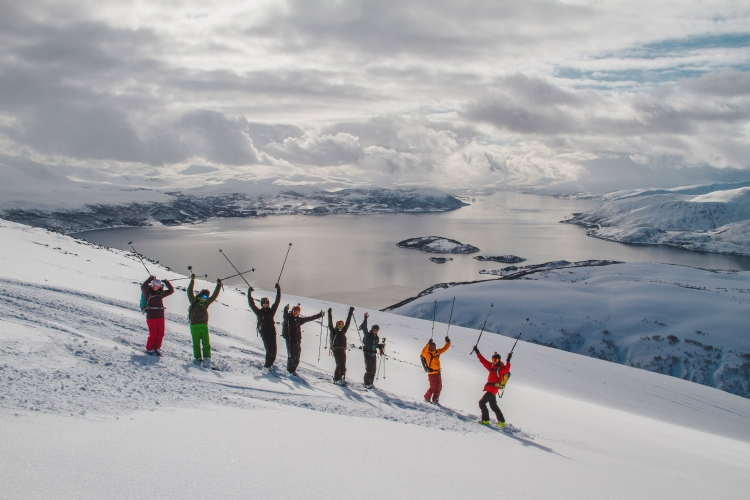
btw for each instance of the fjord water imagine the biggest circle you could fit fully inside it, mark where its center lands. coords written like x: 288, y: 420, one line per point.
x: 353, y: 259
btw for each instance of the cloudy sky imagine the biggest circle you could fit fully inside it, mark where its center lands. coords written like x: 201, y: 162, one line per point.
x: 589, y: 95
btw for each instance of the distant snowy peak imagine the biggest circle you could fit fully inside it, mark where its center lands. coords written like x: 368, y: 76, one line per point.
x: 437, y: 244
x: 690, y: 218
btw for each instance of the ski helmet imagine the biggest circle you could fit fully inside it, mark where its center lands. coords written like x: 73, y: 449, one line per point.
x: 264, y: 300
x: 375, y: 327
x: 156, y: 284
x: 296, y: 309
x: 340, y: 323
x: 496, y: 356
x: 204, y: 294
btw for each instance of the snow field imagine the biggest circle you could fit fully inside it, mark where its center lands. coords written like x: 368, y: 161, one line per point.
x: 85, y: 414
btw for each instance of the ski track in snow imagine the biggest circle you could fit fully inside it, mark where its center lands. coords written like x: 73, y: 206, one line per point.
x: 87, y: 357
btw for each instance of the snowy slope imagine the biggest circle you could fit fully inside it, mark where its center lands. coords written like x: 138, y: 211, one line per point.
x: 85, y: 414
x: 703, y: 218
x: 681, y: 321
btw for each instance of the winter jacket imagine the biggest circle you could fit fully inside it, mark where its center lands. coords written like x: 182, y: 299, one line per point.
x: 198, y: 306
x: 496, y: 373
x: 154, y: 304
x: 266, y: 324
x: 294, y: 327
x: 371, y: 341
x: 433, y: 358
x: 338, y: 338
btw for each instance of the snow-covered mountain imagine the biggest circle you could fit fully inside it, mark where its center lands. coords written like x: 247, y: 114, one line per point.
x: 713, y: 218
x: 681, y: 321
x: 86, y: 414
x: 38, y: 195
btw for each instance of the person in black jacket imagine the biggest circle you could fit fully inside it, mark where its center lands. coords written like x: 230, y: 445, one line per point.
x: 338, y: 345
x: 293, y: 332
x: 370, y: 346
x: 266, y: 326
x: 154, y: 293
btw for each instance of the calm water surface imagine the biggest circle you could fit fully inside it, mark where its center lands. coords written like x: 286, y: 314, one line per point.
x: 353, y: 259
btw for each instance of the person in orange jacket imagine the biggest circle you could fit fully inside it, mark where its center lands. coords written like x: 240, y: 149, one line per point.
x: 497, y: 370
x: 431, y: 363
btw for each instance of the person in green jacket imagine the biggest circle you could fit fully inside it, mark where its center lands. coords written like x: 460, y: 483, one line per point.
x: 198, y: 314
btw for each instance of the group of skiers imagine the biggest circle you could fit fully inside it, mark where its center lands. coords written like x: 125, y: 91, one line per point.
x: 154, y: 291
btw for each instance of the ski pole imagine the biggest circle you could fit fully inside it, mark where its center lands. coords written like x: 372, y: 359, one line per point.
x: 377, y: 374
x: 139, y: 257
x: 230, y: 263
x: 482, y: 331
x: 358, y: 332
x: 450, y: 317
x: 434, y: 310
x: 519, y: 335
x: 284, y: 264
x: 320, y: 340
x: 238, y: 274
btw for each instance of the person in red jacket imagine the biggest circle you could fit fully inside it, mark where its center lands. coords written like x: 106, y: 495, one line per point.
x: 497, y: 370
x: 155, y: 291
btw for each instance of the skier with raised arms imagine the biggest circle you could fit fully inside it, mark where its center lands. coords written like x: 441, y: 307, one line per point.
x: 154, y: 292
x: 370, y: 346
x: 431, y: 363
x: 293, y: 329
x: 495, y: 380
x: 198, y: 315
x: 339, y: 345
x: 266, y: 326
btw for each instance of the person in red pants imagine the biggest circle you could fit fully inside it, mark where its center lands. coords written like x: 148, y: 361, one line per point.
x: 154, y: 291
x: 495, y: 380
x: 431, y: 363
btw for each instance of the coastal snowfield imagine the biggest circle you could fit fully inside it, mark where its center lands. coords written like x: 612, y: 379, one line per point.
x: 86, y: 414
x: 681, y: 321
x: 704, y: 218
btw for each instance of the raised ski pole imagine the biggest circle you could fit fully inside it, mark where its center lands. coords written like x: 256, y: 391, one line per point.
x: 139, y: 257
x: 482, y: 331
x: 434, y: 310
x: 450, y: 317
x: 238, y: 274
x: 358, y: 332
x: 284, y: 264
x: 230, y: 263
x: 320, y: 340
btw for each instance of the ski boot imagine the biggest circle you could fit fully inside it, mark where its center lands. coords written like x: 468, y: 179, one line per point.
x: 500, y: 424
x: 484, y: 422
x: 198, y: 361
x: 158, y: 352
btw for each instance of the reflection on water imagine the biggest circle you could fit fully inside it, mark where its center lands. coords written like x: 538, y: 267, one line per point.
x: 353, y: 259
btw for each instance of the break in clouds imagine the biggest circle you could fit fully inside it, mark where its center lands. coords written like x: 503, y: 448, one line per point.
x: 575, y: 95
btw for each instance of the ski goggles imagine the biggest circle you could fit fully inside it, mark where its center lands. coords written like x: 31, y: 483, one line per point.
x: 204, y: 296
x: 156, y: 284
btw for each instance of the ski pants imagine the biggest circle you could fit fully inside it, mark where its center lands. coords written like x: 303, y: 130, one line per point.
x: 492, y: 400
x: 371, y: 363
x: 339, y: 354
x: 269, y: 342
x: 294, y: 351
x: 199, y: 333
x: 436, y: 385
x: 155, y: 333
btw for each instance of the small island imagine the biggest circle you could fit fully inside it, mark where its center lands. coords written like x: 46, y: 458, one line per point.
x: 441, y: 260
x: 437, y: 244
x: 505, y: 259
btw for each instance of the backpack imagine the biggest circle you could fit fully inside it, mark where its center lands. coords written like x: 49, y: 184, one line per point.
x: 424, y: 363
x: 190, y: 311
x: 503, y: 381
x: 285, y: 323
x: 144, y: 302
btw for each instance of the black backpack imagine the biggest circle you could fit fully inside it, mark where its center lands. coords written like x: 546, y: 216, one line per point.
x: 424, y: 363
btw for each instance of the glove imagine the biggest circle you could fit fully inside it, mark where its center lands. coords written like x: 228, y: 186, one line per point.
x: 277, y: 287
x: 507, y: 360
x: 330, y: 310
x: 218, y: 281
x: 192, y: 276
x: 475, y: 350
x: 447, y: 339
x: 250, y: 289
x: 351, y: 309
x: 366, y: 315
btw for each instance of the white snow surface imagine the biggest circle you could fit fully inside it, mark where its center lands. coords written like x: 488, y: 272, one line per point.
x: 703, y: 218
x: 86, y: 414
